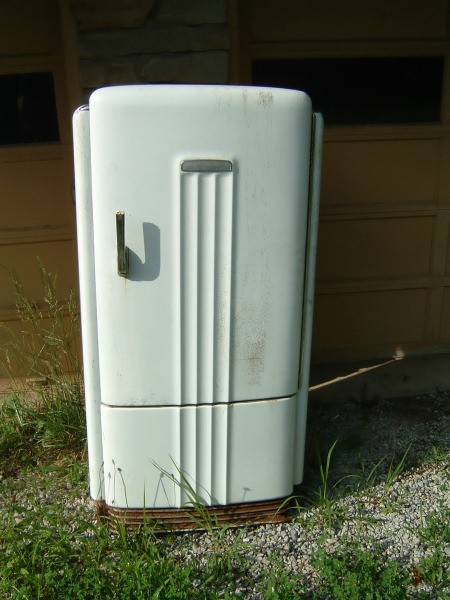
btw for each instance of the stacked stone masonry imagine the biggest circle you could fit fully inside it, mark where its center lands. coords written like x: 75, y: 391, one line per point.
x: 151, y: 41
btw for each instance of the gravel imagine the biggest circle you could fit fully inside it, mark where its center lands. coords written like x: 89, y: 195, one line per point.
x: 376, y: 504
x: 391, y: 517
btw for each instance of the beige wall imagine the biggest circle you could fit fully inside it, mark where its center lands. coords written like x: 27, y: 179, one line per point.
x: 36, y: 204
x: 84, y: 45
x: 383, y: 272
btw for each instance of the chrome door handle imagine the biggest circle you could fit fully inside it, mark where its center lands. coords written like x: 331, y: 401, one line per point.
x: 122, y: 250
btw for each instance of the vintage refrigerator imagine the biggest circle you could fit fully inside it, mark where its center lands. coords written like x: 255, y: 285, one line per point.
x: 197, y: 210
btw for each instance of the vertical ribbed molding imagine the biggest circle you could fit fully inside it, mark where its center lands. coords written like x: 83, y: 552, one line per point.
x: 206, y: 232
x: 308, y: 294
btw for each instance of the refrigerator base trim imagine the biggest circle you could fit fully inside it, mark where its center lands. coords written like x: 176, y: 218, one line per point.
x: 188, y: 519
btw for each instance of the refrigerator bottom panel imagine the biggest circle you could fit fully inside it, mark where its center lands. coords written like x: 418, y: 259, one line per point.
x: 170, y: 457
x: 189, y: 518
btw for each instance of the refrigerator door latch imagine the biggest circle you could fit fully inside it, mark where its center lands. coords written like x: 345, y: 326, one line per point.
x: 122, y: 250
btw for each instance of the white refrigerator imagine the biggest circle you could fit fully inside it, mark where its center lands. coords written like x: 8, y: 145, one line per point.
x: 197, y: 210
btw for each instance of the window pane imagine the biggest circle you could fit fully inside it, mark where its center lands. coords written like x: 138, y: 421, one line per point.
x: 27, y: 109
x: 350, y: 91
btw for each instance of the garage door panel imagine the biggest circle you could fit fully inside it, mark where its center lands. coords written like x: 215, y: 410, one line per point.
x: 375, y: 248
x: 29, y: 28
x: 383, y: 261
x: 388, y: 318
x: 445, y: 316
x: 45, y: 203
x: 37, y: 211
x: 348, y: 19
x: 368, y: 172
x: 57, y: 257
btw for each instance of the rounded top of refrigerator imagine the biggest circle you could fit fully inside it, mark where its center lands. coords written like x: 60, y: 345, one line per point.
x: 223, y: 95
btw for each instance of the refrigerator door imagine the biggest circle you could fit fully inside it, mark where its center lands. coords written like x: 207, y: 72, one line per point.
x: 200, y: 207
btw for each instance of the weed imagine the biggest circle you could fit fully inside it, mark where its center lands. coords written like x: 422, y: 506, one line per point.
x: 45, y: 557
x: 353, y: 573
x: 395, y: 470
x: 326, y: 495
x: 367, y: 478
x: 435, y: 536
x: 324, y: 470
x: 45, y: 411
x: 279, y: 585
x: 432, y: 571
x: 45, y: 348
x: 201, y: 517
x: 46, y: 560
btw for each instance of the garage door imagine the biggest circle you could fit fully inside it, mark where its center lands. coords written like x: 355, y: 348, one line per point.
x: 381, y: 80
x: 37, y: 212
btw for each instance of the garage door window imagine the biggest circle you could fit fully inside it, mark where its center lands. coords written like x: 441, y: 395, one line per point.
x: 356, y: 91
x: 27, y: 109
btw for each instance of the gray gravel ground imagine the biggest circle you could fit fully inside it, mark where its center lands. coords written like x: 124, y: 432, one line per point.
x: 373, y: 437
x: 370, y: 430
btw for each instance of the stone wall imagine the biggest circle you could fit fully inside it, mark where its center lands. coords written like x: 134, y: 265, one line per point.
x: 151, y: 41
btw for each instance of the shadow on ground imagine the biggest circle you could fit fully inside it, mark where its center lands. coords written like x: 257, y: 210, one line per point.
x: 373, y: 431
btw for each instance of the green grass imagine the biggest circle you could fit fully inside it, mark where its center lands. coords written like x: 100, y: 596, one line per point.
x: 352, y: 573
x: 46, y: 560
x: 44, y: 413
x: 48, y: 426
x: 434, y: 569
x: 47, y: 554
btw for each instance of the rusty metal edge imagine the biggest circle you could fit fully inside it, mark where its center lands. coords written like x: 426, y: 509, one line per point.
x: 196, y: 519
